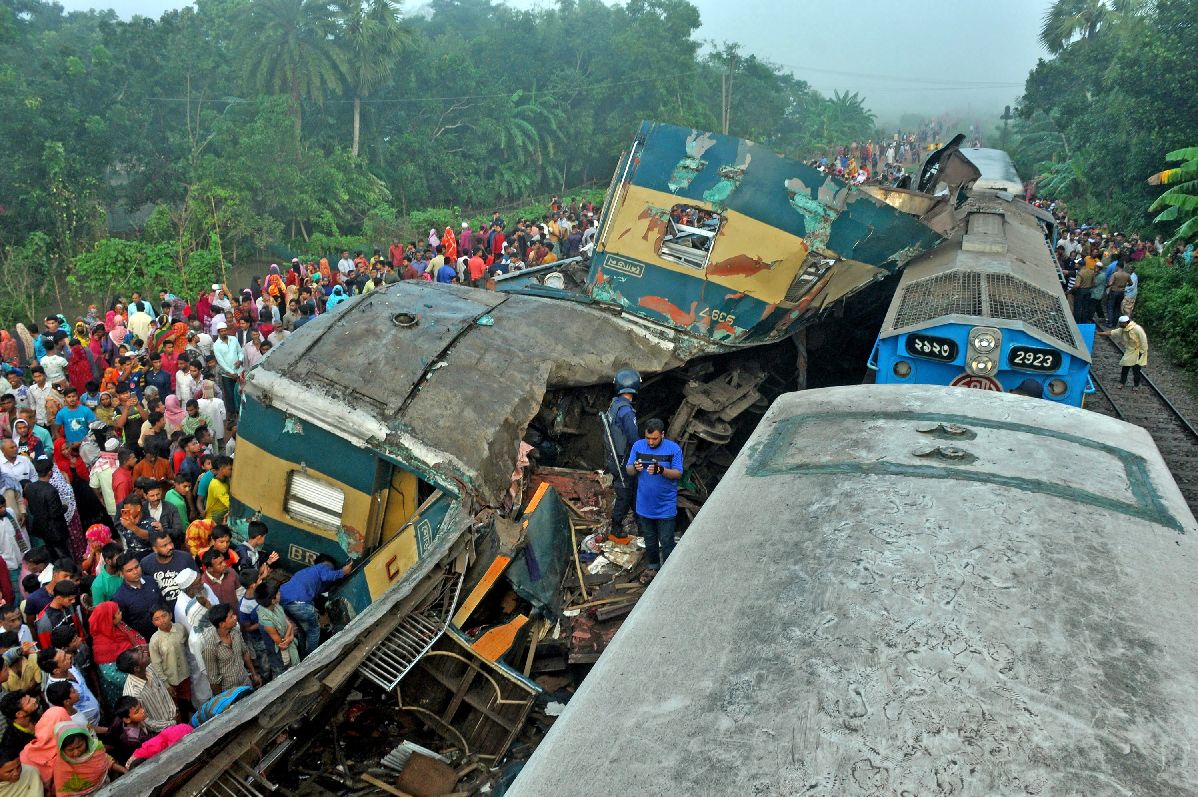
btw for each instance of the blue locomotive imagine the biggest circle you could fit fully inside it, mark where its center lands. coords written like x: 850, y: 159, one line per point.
x: 986, y: 308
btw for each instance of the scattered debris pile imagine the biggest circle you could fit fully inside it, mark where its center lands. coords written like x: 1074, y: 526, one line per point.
x: 524, y: 633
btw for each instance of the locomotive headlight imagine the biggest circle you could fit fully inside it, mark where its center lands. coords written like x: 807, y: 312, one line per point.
x: 981, y: 365
x: 1057, y: 387
x: 902, y: 369
x: 983, y: 342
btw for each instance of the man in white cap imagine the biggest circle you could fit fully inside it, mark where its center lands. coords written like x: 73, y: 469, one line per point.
x: 103, y: 469
x: 1135, y: 349
x: 465, y: 239
x: 230, y: 360
x: 194, y: 600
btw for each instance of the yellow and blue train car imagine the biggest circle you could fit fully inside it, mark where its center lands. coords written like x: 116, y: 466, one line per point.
x: 736, y: 245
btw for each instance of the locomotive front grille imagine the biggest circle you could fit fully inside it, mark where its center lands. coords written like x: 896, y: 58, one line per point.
x: 983, y: 296
x: 951, y: 293
x: 1015, y: 300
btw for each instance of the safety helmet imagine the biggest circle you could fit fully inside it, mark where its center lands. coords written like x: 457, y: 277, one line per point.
x: 628, y: 381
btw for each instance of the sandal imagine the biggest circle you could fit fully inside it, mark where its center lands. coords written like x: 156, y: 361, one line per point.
x: 647, y: 576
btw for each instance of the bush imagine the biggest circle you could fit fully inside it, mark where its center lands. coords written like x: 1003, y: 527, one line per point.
x: 1168, y: 306
x: 116, y: 265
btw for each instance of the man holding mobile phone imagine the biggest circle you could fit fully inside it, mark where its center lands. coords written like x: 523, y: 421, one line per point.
x: 657, y: 463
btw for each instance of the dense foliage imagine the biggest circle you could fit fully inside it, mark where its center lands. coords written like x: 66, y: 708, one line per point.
x: 1168, y: 307
x: 1098, y: 118
x: 236, y: 125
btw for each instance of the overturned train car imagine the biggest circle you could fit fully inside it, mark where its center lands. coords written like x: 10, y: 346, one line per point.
x: 734, y: 245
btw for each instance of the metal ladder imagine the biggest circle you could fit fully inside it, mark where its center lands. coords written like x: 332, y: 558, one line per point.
x: 399, y: 651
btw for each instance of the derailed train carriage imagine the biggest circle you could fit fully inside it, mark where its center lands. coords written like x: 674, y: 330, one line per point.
x: 986, y: 309
x: 921, y: 597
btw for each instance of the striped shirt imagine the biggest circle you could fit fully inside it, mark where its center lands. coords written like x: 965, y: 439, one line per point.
x: 155, y: 698
x: 225, y: 664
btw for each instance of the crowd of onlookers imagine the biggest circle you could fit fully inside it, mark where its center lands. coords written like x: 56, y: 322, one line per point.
x: 130, y: 612
x: 1098, y: 267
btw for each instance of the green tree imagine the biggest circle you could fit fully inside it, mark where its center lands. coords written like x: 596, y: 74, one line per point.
x: 375, y: 38
x: 844, y: 117
x: 289, y: 48
x: 1179, y: 204
x: 1066, y: 19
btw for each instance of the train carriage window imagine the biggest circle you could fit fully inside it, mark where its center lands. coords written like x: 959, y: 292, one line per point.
x: 313, y: 501
x: 690, y: 233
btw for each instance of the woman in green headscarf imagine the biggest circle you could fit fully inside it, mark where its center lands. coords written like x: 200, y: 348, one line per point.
x: 83, y: 764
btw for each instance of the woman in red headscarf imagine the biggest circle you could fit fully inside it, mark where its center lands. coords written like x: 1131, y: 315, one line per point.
x: 9, y: 352
x: 110, y: 638
x: 79, y: 367
x: 204, y: 309
x: 449, y: 246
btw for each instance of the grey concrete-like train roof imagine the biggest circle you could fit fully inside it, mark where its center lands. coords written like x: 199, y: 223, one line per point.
x: 847, y: 617
x: 449, y: 393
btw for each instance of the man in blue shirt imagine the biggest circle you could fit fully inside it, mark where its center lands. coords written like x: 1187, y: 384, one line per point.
x: 298, y: 597
x: 74, y: 418
x: 657, y: 464
x: 447, y: 273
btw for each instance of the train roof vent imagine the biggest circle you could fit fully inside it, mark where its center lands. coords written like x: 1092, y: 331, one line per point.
x: 985, y: 234
x: 1016, y: 300
x: 951, y: 293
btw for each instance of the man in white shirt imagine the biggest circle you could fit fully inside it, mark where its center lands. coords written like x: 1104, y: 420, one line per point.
x: 346, y: 266
x: 55, y: 366
x: 186, y: 387
x: 229, y: 362
x: 14, y: 465
x: 39, y: 391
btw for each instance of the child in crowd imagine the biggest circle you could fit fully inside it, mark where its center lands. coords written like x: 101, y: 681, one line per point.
x: 168, y: 652
x: 83, y: 764
x: 247, y: 617
x: 133, y: 733
x: 277, y: 628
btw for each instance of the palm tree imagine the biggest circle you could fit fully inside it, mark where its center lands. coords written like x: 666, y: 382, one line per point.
x: 844, y: 117
x: 1180, y: 202
x: 1066, y: 19
x: 530, y: 131
x: 289, y: 48
x: 374, y: 39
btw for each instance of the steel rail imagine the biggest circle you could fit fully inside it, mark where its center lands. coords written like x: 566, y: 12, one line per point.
x: 1177, y: 414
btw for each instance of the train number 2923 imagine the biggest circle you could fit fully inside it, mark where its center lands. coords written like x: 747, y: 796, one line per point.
x: 1034, y: 359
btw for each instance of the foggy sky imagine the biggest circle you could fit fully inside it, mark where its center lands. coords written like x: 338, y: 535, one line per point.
x: 964, y: 56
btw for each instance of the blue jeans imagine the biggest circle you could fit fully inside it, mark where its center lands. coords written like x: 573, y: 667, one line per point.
x: 307, y: 624
x: 658, y: 534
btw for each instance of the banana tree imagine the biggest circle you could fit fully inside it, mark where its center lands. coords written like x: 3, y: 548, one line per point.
x: 1179, y: 204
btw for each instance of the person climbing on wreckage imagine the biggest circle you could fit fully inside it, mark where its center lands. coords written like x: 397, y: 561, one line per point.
x: 619, y: 433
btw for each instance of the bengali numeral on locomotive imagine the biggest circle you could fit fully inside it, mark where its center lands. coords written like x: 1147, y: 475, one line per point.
x: 932, y: 347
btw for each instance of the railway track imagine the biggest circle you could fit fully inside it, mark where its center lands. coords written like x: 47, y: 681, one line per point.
x: 1147, y: 406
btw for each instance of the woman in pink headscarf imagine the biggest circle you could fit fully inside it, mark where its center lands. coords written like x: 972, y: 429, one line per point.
x: 116, y: 339
x: 116, y: 316
x: 174, y: 413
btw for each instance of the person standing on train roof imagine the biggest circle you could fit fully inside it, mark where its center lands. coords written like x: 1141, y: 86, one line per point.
x: 1135, y: 349
x: 620, y: 423
x: 657, y: 464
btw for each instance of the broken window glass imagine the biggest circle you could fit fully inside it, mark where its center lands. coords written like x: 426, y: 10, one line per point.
x: 690, y: 233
